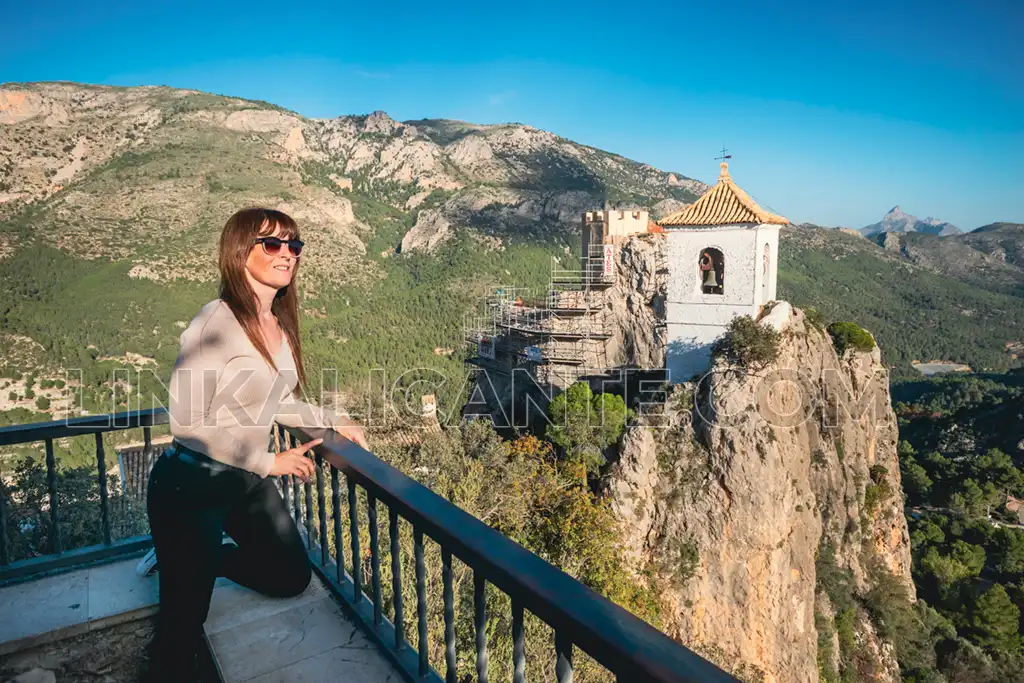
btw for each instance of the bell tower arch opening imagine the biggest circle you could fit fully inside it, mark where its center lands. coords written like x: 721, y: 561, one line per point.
x: 711, y: 266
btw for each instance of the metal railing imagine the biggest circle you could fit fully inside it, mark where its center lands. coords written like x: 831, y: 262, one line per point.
x: 630, y: 649
x: 48, y: 432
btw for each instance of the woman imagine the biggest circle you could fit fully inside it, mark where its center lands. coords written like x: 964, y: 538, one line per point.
x: 238, y: 371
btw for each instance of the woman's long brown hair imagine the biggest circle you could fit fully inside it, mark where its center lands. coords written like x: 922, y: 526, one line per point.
x: 236, y: 240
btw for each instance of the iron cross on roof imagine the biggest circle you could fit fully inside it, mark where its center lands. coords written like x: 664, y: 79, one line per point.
x: 724, y: 155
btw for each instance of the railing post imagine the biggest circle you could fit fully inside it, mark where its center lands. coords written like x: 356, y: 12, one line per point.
x: 563, y: 650
x: 353, y: 521
x: 396, y: 577
x: 321, y: 502
x: 449, y: 618
x: 297, y: 500
x: 147, y: 439
x: 5, y: 557
x: 307, y: 491
x: 371, y: 514
x: 286, y: 483
x: 51, y: 481
x: 101, y: 463
x: 339, y: 538
x: 480, y: 624
x: 518, y: 643
x: 421, y: 602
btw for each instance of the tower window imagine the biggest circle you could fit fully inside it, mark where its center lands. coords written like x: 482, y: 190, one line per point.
x: 711, y: 271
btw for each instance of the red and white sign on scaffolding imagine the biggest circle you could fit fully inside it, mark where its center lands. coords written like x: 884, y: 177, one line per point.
x: 608, y: 262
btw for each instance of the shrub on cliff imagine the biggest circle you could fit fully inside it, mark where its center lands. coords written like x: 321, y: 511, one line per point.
x: 814, y: 318
x: 748, y: 343
x: 846, y: 335
x: 584, y: 424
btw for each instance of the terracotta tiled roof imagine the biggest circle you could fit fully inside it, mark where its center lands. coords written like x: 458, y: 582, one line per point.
x: 724, y: 204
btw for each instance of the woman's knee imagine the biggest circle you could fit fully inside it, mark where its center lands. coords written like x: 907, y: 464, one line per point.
x: 294, y: 579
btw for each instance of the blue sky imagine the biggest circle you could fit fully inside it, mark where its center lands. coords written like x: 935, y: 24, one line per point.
x: 833, y: 114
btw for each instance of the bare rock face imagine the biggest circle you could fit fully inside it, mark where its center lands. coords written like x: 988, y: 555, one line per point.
x: 750, y: 476
x: 636, y: 304
x: 666, y: 207
x: 261, y: 121
x: 430, y: 232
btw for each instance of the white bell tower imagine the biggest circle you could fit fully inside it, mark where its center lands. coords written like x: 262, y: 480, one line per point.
x: 722, y: 254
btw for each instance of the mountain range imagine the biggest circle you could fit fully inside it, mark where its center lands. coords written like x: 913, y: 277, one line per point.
x: 896, y: 220
x: 166, y: 165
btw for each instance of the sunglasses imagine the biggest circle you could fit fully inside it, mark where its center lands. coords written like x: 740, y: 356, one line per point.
x: 272, y: 245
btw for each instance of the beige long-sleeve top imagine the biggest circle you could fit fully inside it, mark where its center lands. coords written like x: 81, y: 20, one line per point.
x: 224, y: 397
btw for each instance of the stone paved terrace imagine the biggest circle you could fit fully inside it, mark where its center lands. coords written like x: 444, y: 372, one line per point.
x: 254, y: 638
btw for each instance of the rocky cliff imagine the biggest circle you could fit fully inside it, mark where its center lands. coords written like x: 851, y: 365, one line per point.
x: 748, y: 493
x: 748, y: 483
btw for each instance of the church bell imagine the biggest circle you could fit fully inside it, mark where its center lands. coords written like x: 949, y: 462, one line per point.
x: 709, y: 278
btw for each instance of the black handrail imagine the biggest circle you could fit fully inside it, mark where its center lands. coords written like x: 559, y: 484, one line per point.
x: 79, y: 426
x: 621, y: 642
x: 47, y: 432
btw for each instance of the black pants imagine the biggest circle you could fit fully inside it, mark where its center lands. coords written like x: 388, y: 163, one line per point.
x: 191, y: 503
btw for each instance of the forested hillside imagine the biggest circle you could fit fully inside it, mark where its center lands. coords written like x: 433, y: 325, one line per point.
x: 917, y: 311
x: 961, y: 456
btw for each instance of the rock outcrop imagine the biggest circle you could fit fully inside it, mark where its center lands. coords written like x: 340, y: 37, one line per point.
x: 735, y: 492
x: 430, y: 232
x: 636, y: 304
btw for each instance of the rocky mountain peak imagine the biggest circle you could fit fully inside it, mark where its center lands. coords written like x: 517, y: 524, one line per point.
x: 380, y: 122
x: 897, y: 220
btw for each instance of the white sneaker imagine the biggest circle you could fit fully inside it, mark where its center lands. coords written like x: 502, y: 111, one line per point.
x: 147, y: 566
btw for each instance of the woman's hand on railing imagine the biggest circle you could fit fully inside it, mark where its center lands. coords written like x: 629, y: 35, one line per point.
x: 351, y: 431
x: 294, y: 461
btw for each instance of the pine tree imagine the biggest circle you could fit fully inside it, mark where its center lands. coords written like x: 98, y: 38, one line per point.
x: 995, y: 621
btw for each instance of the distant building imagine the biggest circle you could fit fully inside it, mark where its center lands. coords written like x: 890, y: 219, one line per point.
x: 722, y: 255
x: 1015, y: 506
x: 613, y: 227
x: 428, y: 404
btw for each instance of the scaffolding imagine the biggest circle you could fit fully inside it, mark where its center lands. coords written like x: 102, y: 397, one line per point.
x: 559, y: 334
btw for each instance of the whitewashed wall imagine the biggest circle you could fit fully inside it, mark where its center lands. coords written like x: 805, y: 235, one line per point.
x: 694, y: 319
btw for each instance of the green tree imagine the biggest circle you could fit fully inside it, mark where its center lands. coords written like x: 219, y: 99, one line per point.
x: 916, y: 482
x: 995, y: 621
x: 926, y: 533
x: 846, y: 336
x: 947, y: 570
x: 43, y: 403
x: 748, y: 343
x: 997, y: 467
x: 1009, y: 555
x: 970, y: 501
x: 584, y: 424
x: 913, y: 627
x: 970, y: 556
